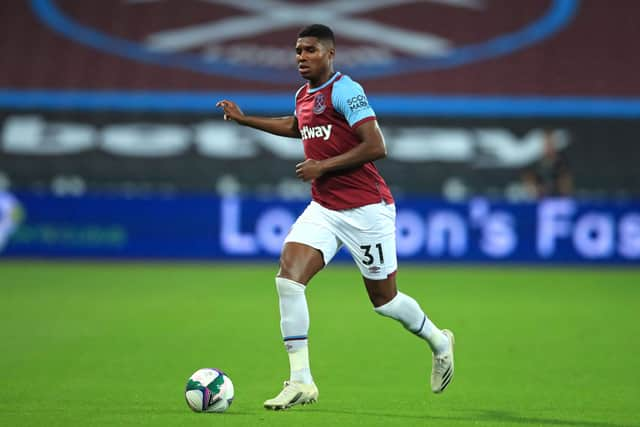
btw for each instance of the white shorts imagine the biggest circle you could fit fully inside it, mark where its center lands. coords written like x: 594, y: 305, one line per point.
x: 368, y: 232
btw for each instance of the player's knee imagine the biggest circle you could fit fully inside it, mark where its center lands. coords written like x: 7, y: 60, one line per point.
x: 381, y: 292
x: 299, y: 268
x: 379, y: 299
x: 289, y: 269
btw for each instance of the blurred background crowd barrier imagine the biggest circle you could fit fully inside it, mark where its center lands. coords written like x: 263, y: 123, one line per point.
x: 511, y: 127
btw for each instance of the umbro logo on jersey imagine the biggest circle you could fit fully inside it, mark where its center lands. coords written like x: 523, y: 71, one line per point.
x: 323, y: 132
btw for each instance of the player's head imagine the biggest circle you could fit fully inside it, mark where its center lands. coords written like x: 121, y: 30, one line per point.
x: 315, y: 50
x: 321, y: 32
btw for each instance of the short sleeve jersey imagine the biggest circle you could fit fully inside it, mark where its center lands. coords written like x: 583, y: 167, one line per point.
x: 328, y: 117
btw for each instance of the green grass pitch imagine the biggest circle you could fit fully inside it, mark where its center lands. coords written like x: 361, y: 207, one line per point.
x: 93, y: 344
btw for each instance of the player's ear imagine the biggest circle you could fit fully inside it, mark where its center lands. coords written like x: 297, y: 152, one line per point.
x: 332, y: 52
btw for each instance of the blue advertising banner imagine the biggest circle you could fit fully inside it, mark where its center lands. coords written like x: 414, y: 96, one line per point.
x: 230, y: 228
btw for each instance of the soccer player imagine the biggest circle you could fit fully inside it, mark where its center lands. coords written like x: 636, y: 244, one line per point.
x: 351, y: 206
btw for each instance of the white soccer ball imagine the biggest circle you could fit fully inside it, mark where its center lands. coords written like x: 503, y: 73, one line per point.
x: 209, y: 390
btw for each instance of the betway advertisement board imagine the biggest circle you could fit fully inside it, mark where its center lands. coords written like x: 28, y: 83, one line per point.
x: 212, y: 228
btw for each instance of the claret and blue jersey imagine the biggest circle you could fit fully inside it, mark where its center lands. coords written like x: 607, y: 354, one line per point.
x: 328, y: 117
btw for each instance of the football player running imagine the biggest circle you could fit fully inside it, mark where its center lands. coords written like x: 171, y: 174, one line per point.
x: 351, y: 206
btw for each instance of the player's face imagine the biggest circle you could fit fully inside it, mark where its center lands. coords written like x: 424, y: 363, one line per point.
x: 314, y: 59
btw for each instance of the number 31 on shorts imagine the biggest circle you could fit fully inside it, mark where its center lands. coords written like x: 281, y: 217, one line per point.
x: 369, y: 257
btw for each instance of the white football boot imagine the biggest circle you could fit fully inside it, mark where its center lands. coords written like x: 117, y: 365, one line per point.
x: 292, y: 394
x: 442, y: 366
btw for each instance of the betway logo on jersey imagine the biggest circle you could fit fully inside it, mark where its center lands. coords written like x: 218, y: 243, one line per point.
x: 314, y: 132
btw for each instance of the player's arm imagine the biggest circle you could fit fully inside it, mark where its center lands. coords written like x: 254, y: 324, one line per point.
x: 282, y: 126
x: 371, y: 147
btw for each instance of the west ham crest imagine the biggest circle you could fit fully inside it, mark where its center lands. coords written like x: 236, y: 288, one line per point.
x: 319, y: 104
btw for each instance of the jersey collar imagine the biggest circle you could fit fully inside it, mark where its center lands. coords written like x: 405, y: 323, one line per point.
x: 325, y: 84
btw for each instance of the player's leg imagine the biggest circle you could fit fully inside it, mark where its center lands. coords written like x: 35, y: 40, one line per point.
x: 298, y: 264
x: 389, y: 302
x: 372, y: 244
x: 308, y: 247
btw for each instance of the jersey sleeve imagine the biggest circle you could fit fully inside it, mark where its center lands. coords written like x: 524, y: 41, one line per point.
x: 348, y: 98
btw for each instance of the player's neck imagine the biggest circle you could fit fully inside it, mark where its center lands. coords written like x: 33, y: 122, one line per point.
x: 321, y: 80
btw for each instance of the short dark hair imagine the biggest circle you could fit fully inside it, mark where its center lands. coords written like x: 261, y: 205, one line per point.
x: 319, y: 31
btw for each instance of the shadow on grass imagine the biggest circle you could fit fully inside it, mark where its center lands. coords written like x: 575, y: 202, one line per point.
x: 488, y: 416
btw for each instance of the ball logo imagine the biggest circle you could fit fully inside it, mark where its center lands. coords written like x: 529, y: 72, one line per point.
x: 319, y: 104
x: 244, y: 39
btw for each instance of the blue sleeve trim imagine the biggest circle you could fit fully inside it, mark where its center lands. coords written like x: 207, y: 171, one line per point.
x: 349, y: 99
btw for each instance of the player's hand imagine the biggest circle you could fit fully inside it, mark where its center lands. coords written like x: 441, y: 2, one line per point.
x: 309, y: 169
x: 230, y: 109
